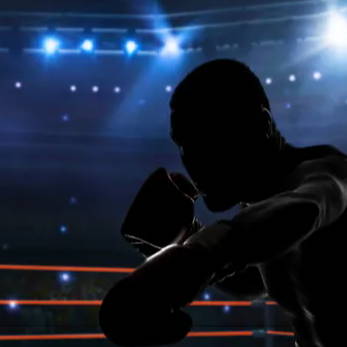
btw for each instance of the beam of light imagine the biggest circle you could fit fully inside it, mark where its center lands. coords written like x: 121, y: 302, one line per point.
x: 51, y: 45
x: 131, y: 47
x: 337, y: 30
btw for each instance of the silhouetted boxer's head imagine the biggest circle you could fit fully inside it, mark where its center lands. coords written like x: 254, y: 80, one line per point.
x: 229, y: 143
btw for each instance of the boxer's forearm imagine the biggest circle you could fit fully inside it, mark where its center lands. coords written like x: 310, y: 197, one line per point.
x: 258, y: 233
x: 244, y: 285
x: 274, y: 226
x: 270, y: 229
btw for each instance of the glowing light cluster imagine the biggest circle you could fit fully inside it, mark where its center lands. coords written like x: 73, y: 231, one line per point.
x: 51, y: 45
x: 337, y: 30
x: 131, y: 47
x: 87, y: 45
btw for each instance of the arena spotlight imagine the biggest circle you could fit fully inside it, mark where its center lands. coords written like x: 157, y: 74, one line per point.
x: 168, y: 89
x: 73, y: 88
x: 117, y: 90
x: 13, y: 304
x: 337, y: 29
x: 268, y: 80
x: 63, y: 229
x: 131, y: 47
x: 317, y: 75
x: 51, y: 45
x: 95, y: 89
x: 64, y: 277
x: 65, y: 118
x: 87, y: 46
x: 206, y: 296
x: 18, y: 85
x: 171, y: 46
x: 73, y: 200
x: 292, y: 78
x: 226, y: 309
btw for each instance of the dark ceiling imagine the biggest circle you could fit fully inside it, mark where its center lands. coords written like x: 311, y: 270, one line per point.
x: 132, y: 6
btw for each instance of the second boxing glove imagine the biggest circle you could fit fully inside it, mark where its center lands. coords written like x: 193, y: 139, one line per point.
x: 161, y: 213
x: 144, y: 308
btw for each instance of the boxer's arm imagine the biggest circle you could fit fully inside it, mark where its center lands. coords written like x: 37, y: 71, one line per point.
x: 276, y: 225
x: 244, y: 285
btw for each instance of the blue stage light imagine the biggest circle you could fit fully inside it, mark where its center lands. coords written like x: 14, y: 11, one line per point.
x: 337, y: 29
x: 317, y: 75
x: 131, y: 47
x: 65, y: 117
x: 207, y: 296
x: 87, y: 45
x: 292, y: 78
x: 51, y: 45
x: 73, y: 200
x: 226, y: 309
x: 63, y: 229
x: 13, y: 305
x: 268, y: 80
x: 171, y: 46
x: 64, y: 277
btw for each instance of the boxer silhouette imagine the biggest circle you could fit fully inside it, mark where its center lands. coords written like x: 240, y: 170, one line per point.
x: 286, y: 241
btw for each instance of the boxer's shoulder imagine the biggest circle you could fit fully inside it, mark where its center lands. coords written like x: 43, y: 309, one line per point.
x: 319, y: 152
x: 323, y: 159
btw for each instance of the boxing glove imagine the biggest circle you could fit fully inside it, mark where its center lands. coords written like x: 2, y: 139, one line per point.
x: 161, y: 213
x: 144, y: 308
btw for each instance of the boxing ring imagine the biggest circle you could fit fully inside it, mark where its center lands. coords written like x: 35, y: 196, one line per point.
x: 86, y: 303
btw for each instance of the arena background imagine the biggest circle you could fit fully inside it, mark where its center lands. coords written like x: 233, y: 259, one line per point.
x: 84, y: 118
